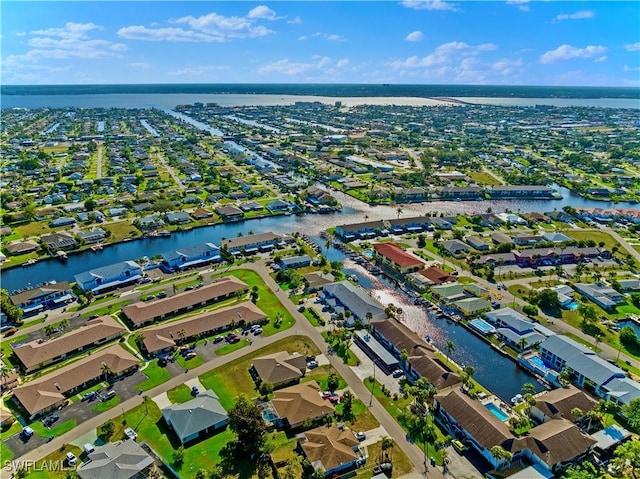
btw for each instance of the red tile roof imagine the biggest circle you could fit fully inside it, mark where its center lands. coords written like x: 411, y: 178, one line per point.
x: 397, y: 255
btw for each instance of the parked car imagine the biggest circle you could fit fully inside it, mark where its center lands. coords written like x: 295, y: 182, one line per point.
x: 71, y: 459
x: 258, y: 331
x: 161, y: 295
x: 217, y: 339
x: 195, y: 391
x: 109, y: 395
x: 10, y: 332
x: 458, y: 446
x: 312, y: 364
x: 230, y: 336
x: 130, y: 433
x: 27, y: 432
x: 90, y: 396
x: 397, y: 373
x: 361, y: 436
x: 190, y: 355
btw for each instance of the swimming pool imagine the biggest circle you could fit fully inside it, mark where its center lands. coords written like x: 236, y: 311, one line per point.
x: 496, y: 411
x: 538, y: 362
x: 572, y: 306
x: 269, y: 416
x: 482, y: 326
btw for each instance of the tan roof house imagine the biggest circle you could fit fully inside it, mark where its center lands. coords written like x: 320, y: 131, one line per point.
x: 560, y: 402
x: 280, y: 369
x: 297, y: 403
x: 35, y: 355
x: 330, y: 448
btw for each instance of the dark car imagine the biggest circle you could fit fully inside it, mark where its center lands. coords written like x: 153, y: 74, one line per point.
x: 161, y: 295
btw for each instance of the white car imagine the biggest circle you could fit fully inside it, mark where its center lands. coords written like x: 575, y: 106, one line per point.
x: 130, y: 433
x: 361, y: 436
x: 71, y: 458
x: 27, y: 431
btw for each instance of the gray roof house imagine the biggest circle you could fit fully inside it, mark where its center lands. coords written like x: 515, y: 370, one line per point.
x: 589, y: 371
x: 513, y: 327
x: 354, y: 299
x: 197, y: 417
x: 118, y: 460
x: 108, y: 277
x: 602, y: 295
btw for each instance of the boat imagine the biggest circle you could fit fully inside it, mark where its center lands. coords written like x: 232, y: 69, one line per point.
x: 517, y: 399
x: 30, y: 262
x: 61, y: 255
x: 164, y: 233
x: 96, y: 248
x: 427, y: 338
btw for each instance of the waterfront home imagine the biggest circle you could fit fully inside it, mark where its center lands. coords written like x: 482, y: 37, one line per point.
x: 449, y: 292
x: 149, y: 223
x: 280, y: 205
x: 190, y: 256
x: 604, y: 296
x: 294, y: 262
x: 121, y: 460
x: 58, y: 241
x: 250, y: 244
x: 409, y: 225
x: 442, y: 224
x: 38, y: 354
x: 472, y: 306
x: 349, y: 297
x: 461, y: 192
x: 366, y: 230
x: 318, y: 196
x: 108, y: 277
x: 299, y: 403
x: 560, y: 216
x: 143, y: 313
x: 629, y: 284
x: 21, y: 247
x: 520, y: 191
x: 394, y: 257
x: 178, y: 218
x: 280, y: 369
x: 561, y: 403
x: 552, y: 445
x: 92, y: 236
x: 229, y: 212
x: 162, y: 339
x: 455, y: 248
x: 510, y: 218
x: 331, y: 449
x: 196, y: 418
x: 436, y: 276
x: 517, y: 330
x: 588, y: 370
x: 35, y: 300
x: 316, y: 280
x: 51, y: 391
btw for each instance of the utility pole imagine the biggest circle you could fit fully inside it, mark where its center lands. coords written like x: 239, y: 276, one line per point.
x: 373, y: 384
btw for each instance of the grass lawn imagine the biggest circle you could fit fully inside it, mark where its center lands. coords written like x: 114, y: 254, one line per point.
x: 121, y: 230
x: 35, y: 228
x: 321, y: 376
x: 267, y: 301
x: 15, y: 428
x: 229, y: 348
x: 280, y: 446
x: 58, y: 430
x: 179, y: 394
x: 95, y: 387
x: 627, y: 309
x: 57, y: 458
x: 7, y: 351
x: 233, y: 378
x: 106, y: 405
x: 361, y: 420
x: 401, y: 463
x: 5, y: 452
x: 156, y: 375
x: 189, y: 363
x: 147, y: 421
x: 597, y: 236
x: 312, y: 319
x: 105, y: 310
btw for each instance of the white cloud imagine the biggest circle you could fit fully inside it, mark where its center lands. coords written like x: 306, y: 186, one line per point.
x: 430, y: 5
x: 414, y: 36
x: 580, y: 15
x: 206, y: 28
x: 302, y: 38
x: 295, y: 21
x: 197, y: 71
x: 521, y: 4
x: 632, y: 47
x: 601, y: 59
x: 627, y: 68
x: 141, y: 65
x: 321, y: 66
x: 263, y: 12
x: 444, y: 54
x: 332, y: 37
x: 60, y: 43
x: 568, y: 52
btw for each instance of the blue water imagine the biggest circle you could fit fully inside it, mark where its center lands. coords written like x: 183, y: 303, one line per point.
x: 572, y: 306
x: 632, y: 324
x: 496, y: 411
x: 269, y: 416
x: 538, y: 362
x: 482, y: 324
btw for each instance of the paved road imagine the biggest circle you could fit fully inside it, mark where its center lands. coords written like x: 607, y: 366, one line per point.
x: 302, y: 327
x: 170, y: 170
x: 99, y: 162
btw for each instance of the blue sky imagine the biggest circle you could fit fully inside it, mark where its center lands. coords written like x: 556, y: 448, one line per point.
x: 513, y: 42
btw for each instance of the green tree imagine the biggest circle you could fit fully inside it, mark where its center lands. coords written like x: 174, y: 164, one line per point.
x: 588, y: 313
x: 178, y: 457
x: 422, y: 242
x: 265, y: 388
x: 450, y: 347
x: 528, y: 388
x: 106, y: 431
x: 347, y: 405
x: 530, y: 309
x: 547, y: 299
x: 293, y: 468
x: 246, y: 421
x: 501, y: 454
x: 13, y: 313
x: 626, y: 462
x: 333, y: 382
x: 632, y: 414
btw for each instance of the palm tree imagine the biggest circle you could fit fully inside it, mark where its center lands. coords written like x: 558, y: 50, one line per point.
x: 106, y: 370
x: 181, y: 334
x: 398, y: 211
x: 369, y: 317
x: 450, y: 347
x: 528, y: 388
x: 522, y: 343
x: 4, y: 374
x: 501, y: 455
x: 576, y: 412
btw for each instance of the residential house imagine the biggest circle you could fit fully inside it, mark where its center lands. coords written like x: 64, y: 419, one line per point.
x: 295, y: 262
x: 143, y: 313
x: 449, y: 292
x: 296, y: 404
x: 556, y: 237
x: 62, y: 221
x: 280, y: 369
x: 517, y: 330
x: 116, y: 460
x: 58, y: 241
x: 280, y: 205
x: 316, y: 280
x: 394, y: 257
x: 93, y: 236
x: 250, y: 244
x: 436, y: 276
x: 366, y: 230
x: 161, y: 339
x: 109, y: 277
x: 149, y: 223
x: 190, y: 256
x: 510, y: 218
x: 229, y: 212
x: 47, y: 296
x: 21, y: 247
x: 196, y: 418
x: 461, y: 192
x: 47, y: 393
x: 478, y: 243
x: 588, y: 370
x: 177, y: 218
x: 604, y: 296
x: 343, y: 296
x: 455, y: 248
x: 560, y: 403
x: 37, y: 354
x: 498, y: 237
x: 527, y: 258
x: 629, y: 284
x: 472, y: 306
x: 520, y: 191
x: 331, y: 449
